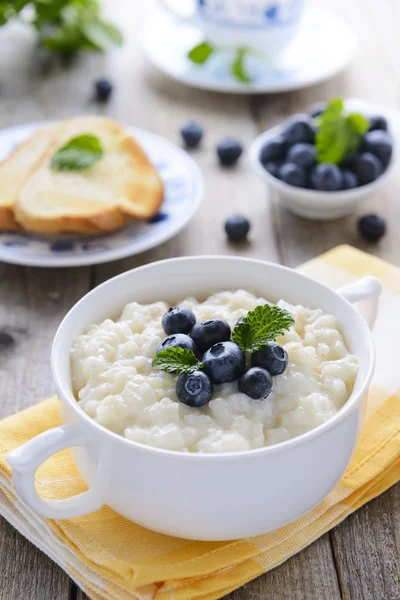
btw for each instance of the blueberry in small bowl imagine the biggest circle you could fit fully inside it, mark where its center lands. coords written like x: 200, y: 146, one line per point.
x: 323, y: 163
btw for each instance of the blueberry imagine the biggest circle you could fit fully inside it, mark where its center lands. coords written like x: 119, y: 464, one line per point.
x: 208, y: 333
x: 272, y: 168
x: 103, y: 90
x: 256, y: 383
x: 273, y: 357
x: 377, y: 122
x: 178, y: 320
x: 224, y: 362
x: 299, y: 129
x: 229, y: 151
x: 304, y: 155
x: 293, y: 174
x: 195, y: 390
x: 237, y: 227
x: 371, y: 227
x: 192, y: 134
x: 379, y: 143
x: 350, y: 180
x: 317, y: 109
x: 350, y: 161
x: 178, y: 340
x: 274, y: 149
x: 326, y: 177
x: 367, y: 168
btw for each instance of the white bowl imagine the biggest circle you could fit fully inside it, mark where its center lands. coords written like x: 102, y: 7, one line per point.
x: 314, y: 204
x: 200, y: 496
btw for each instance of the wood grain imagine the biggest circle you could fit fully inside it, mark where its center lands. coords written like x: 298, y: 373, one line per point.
x: 358, y: 560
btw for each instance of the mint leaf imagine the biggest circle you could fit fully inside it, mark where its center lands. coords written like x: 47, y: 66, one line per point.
x: 238, y: 67
x: 260, y: 326
x: 81, y: 152
x: 177, y: 360
x: 338, y: 134
x: 102, y: 34
x: 201, y: 53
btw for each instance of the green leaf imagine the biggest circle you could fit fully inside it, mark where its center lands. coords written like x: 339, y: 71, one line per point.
x: 81, y: 152
x: 339, y: 134
x: 260, y: 326
x: 177, y: 360
x: 358, y: 122
x: 201, y: 53
x: 238, y: 66
x: 102, y: 34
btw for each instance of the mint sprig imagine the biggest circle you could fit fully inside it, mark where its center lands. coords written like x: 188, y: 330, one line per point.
x: 80, y: 153
x: 338, y: 134
x: 177, y: 360
x: 260, y: 326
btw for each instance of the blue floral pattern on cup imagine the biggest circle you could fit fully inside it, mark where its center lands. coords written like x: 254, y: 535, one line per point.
x: 250, y: 13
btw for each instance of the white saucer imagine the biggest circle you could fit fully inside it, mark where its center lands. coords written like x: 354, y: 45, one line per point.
x: 183, y: 191
x: 322, y: 47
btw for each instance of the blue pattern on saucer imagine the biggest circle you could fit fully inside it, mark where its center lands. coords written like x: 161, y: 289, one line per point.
x: 182, y: 194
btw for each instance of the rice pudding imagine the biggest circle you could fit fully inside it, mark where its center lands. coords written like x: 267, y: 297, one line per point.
x: 115, y: 383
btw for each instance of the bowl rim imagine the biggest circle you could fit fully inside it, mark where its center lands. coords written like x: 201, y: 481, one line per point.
x: 308, y: 193
x: 67, y: 395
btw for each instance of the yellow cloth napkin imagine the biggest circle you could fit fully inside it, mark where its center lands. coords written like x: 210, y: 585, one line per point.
x: 112, y: 558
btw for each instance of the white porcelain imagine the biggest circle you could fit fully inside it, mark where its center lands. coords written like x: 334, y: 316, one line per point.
x: 183, y: 192
x: 200, y: 496
x: 262, y: 24
x: 308, y: 58
x: 317, y: 205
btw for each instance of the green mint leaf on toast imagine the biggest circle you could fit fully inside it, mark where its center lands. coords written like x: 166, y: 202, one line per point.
x: 260, y: 326
x: 80, y: 153
x: 338, y: 134
x: 239, y: 68
x: 177, y: 360
x: 201, y: 53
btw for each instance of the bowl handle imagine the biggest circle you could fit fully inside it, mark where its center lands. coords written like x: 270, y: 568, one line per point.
x: 367, y: 288
x: 25, y: 461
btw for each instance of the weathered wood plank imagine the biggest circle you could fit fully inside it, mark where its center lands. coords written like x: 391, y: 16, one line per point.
x: 33, y: 302
x: 27, y: 573
x: 367, y: 549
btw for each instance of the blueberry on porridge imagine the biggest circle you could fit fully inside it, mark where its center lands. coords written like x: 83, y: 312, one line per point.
x: 227, y: 374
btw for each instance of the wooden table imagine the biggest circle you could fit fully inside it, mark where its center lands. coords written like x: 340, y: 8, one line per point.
x: 359, y: 559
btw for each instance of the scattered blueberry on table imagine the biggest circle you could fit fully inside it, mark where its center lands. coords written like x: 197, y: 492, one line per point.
x: 103, y: 89
x: 329, y: 149
x: 229, y: 151
x: 372, y: 227
x: 237, y: 227
x: 192, y: 134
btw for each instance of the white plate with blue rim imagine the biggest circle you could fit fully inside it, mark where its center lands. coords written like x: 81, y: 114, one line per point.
x: 323, y: 45
x: 183, y: 192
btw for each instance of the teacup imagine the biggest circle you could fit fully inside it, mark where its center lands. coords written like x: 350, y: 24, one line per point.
x: 266, y: 25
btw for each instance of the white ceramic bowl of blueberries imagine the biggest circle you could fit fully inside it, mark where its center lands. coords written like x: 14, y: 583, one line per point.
x: 289, y: 156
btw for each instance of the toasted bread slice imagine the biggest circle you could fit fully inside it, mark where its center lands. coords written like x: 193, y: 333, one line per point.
x: 16, y: 168
x: 122, y: 184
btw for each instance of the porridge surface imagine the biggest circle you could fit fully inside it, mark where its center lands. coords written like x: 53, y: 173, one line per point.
x: 116, y: 385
